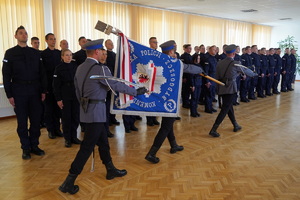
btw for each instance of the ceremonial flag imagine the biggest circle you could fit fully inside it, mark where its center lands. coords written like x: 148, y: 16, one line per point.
x: 158, y: 72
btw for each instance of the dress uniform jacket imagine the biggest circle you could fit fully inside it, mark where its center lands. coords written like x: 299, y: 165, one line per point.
x: 51, y: 58
x: 96, y: 90
x: 23, y: 72
x: 63, y: 81
x: 231, y: 75
x: 79, y: 56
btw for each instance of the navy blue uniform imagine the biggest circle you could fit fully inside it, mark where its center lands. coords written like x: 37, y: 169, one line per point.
x: 278, y: 67
x: 187, y: 81
x: 238, y: 58
x: 51, y: 58
x: 293, y: 71
x: 209, y: 93
x: 79, y: 56
x: 195, y: 95
x: 245, y: 84
x: 286, y: 67
x: 262, y: 79
x: 270, y: 74
x: 64, y: 90
x: 254, y: 80
x: 24, y: 80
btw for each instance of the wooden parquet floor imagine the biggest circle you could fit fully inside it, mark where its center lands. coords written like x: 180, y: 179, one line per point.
x: 260, y: 162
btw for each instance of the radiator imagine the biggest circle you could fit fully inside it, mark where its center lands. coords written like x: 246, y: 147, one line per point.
x: 6, y: 109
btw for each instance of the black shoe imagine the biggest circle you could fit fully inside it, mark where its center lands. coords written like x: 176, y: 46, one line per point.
x: 26, y: 154
x: 115, y: 122
x: 59, y: 133
x: 253, y: 98
x: 261, y: 96
x: 68, y: 185
x: 236, y: 127
x: 133, y: 128
x: 68, y: 143
x: 213, y: 132
x: 198, y: 114
x: 194, y: 115
x: 245, y: 100
x: 150, y: 123
x: 290, y: 89
x: 113, y: 172
x: 138, y: 118
x: 283, y: 91
x: 186, y: 106
x: 214, y: 110
x: 236, y: 103
x: 177, y: 118
x: 155, y: 122
x: 37, y: 151
x: 127, y: 130
x: 175, y: 147
x: 151, y: 155
x: 269, y: 94
x: 75, y: 140
x: 209, y: 111
x: 42, y: 125
x: 276, y: 92
x: 51, y: 135
x: 110, y: 134
x: 201, y: 103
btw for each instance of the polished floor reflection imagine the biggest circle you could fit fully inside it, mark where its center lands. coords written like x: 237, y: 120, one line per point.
x: 262, y: 161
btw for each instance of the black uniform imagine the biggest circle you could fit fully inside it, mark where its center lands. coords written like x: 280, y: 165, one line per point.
x: 79, y: 56
x: 187, y: 81
x: 64, y: 90
x: 24, y: 80
x: 51, y: 58
x: 245, y: 84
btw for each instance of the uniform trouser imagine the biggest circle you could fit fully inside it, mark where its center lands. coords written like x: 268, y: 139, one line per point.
x: 95, y: 134
x: 70, y: 118
x: 128, y: 121
x: 238, y: 85
x: 107, y: 104
x: 226, y: 109
x: 244, y: 88
x: 208, y: 98
x: 276, y: 82
x: 150, y: 119
x: 185, y: 94
x: 284, y: 78
x: 52, y: 113
x: 110, y: 117
x: 290, y: 79
x: 202, y: 96
x: 269, y: 83
x: 195, y: 99
x: 261, y: 85
x: 252, y: 85
x: 166, y: 130
x: 28, y: 106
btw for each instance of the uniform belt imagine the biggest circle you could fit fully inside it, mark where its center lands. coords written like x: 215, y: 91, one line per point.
x: 96, y: 101
x: 26, y: 82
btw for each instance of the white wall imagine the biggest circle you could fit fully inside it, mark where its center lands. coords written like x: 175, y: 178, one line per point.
x: 281, y: 32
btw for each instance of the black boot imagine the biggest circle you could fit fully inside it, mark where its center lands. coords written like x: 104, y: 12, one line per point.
x: 236, y: 127
x: 175, y: 147
x: 51, y: 135
x: 26, y: 154
x: 68, y: 185
x: 151, y: 156
x: 213, y: 132
x: 113, y: 172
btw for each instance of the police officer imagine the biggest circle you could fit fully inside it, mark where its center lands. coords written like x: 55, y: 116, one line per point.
x: 64, y: 92
x: 277, y: 73
x: 262, y: 76
x: 286, y: 68
x: 270, y: 72
x: 186, y: 78
x: 293, y: 69
x: 92, y: 94
x: 35, y: 43
x: 238, y: 58
x: 166, y: 129
x: 151, y: 120
x: 196, y: 87
x: 245, y: 83
x: 228, y: 72
x: 51, y: 58
x: 25, y: 86
x: 210, y: 88
x: 256, y: 68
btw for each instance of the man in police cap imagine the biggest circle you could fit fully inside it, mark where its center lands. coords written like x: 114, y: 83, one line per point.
x: 25, y: 84
x: 92, y: 95
x: 227, y: 72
